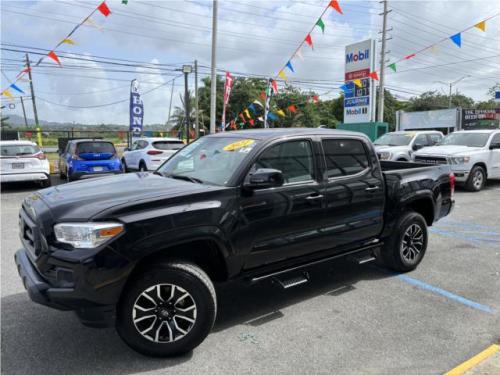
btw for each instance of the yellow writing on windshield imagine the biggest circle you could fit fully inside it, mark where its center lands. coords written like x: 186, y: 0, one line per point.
x: 237, y: 145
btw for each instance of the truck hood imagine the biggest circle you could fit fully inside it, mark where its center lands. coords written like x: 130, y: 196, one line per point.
x: 447, y: 150
x: 393, y: 149
x: 82, y: 200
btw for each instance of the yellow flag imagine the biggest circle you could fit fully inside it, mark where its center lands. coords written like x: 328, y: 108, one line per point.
x: 280, y: 112
x: 7, y: 93
x: 91, y: 22
x: 435, y: 49
x: 247, y: 113
x: 357, y: 82
x: 481, y: 25
x: 68, y: 41
x: 282, y: 74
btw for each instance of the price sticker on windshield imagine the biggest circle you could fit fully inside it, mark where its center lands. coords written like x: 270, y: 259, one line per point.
x: 244, y: 143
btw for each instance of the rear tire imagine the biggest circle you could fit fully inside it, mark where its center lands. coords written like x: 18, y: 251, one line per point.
x: 45, y: 183
x: 477, y: 179
x: 406, y: 248
x: 125, y: 168
x: 142, y: 166
x: 149, y: 315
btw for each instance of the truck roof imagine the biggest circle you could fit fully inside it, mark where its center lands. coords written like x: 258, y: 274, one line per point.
x: 285, y: 132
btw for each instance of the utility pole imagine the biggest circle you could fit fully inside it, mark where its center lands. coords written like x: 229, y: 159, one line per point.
x: 196, y: 121
x: 170, y: 105
x: 24, y: 112
x: 380, y: 116
x: 213, y: 75
x: 32, y: 91
x: 186, y: 69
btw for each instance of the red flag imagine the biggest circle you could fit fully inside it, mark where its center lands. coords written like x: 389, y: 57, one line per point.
x: 409, y: 56
x: 373, y: 75
x: 252, y: 122
x: 103, y: 8
x: 275, y: 85
x: 263, y: 95
x: 292, y: 108
x: 25, y: 70
x: 335, y: 5
x: 315, y: 98
x: 309, y: 40
x: 54, y: 57
x: 243, y: 118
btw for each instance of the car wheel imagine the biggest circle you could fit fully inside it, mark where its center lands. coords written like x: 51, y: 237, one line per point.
x: 124, y: 163
x: 477, y: 179
x: 45, y: 183
x: 142, y: 166
x: 168, y: 310
x: 405, y: 249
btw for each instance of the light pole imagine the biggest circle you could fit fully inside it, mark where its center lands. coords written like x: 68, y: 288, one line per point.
x: 186, y: 69
x: 451, y: 84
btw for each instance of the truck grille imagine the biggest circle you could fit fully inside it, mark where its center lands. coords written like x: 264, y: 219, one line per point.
x: 29, y: 233
x: 431, y: 160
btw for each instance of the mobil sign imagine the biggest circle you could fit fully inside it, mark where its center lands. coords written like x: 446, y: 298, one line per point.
x: 359, y: 100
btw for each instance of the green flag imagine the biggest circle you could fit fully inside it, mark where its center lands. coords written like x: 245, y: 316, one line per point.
x: 125, y: 2
x: 321, y: 24
x: 393, y: 67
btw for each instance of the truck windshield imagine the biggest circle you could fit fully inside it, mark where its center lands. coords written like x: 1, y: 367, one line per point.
x: 401, y: 139
x: 210, y: 160
x: 466, y: 139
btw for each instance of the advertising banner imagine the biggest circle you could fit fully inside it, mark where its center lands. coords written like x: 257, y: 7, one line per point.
x: 479, y: 119
x: 136, y: 110
x: 359, y: 98
x: 269, y: 95
x: 228, y: 85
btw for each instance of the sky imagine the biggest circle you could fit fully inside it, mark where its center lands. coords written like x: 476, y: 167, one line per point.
x: 149, y: 40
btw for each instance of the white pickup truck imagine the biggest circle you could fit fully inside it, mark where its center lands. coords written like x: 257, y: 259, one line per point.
x: 473, y: 155
x: 399, y: 146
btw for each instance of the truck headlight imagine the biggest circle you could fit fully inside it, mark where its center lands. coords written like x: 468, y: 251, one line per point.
x: 459, y: 159
x: 385, y: 155
x: 86, y: 235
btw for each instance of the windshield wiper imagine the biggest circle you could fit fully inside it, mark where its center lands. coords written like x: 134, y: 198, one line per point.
x: 186, y: 178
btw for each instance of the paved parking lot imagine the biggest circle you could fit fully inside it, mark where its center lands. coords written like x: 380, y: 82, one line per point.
x: 348, y: 319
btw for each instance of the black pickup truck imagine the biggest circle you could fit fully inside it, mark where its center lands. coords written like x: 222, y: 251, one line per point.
x: 142, y: 251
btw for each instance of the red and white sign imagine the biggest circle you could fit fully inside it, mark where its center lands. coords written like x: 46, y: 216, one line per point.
x: 228, y: 85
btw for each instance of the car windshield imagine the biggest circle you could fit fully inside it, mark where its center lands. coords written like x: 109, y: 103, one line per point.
x: 393, y: 139
x: 466, y: 139
x: 95, y: 148
x: 210, y: 159
x: 19, y: 150
x: 168, y: 145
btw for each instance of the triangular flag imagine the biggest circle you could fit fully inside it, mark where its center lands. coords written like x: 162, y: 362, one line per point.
x: 292, y: 108
x: 16, y: 88
x: 335, y: 5
x: 260, y: 118
x: 309, y: 40
x: 410, y: 56
x: 25, y: 70
x: 481, y: 25
x: 272, y: 116
x: 457, y: 39
x: 282, y: 75
x: 7, y: 93
x: 289, y: 66
x: 315, y: 98
x: 435, y: 49
x: 263, y: 95
x: 280, y: 112
x: 393, y: 67
x: 125, y: 2
x: 357, y: 82
x: 67, y: 41
x: 299, y: 54
x: 103, y: 8
x: 321, y: 24
x: 91, y: 22
x: 252, y: 122
x: 274, y: 84
x: 373, y: 75
x: 243, y: 118
x: 252, y: 108
x: 54, y: 57
x: 247, y: 113
x: 344, y: 87
x: 258, y: 103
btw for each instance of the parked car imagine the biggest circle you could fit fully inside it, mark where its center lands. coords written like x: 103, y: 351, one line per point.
x: 23, y: 161
x: 147, y: 154
x: 400, y: 145
x: 473, y: 155
x: 141, y: 251
x: 88, y: 158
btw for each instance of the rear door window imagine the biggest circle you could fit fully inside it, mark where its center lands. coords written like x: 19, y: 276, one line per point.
x: 344, y: 157
x: 95, y: 148
x: 168, y: 145
x: 435, y: 138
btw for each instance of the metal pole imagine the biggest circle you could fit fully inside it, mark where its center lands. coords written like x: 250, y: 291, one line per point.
x: 186, y: 104
x: 449, y: 99
x: 170, y: 105
x: 380, y: 116
x: 196, y: 121
x: 24, y: 112
x: 213, y: 76
x: 32, y: 91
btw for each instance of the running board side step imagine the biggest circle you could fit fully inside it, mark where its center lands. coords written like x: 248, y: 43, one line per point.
x: 293, y: 281
x: 363, y: 260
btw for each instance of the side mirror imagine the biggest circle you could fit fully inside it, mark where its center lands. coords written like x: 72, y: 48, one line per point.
x: 495, y: 146
x: 265, y: 178
x: 126, y: 149
x: 416, y: 147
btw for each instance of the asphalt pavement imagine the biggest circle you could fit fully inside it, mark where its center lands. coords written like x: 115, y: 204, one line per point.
x: 349, y: 319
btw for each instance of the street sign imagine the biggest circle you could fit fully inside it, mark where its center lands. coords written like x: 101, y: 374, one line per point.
x: 359, y: 100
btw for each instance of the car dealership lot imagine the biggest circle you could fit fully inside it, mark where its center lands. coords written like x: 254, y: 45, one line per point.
x: 348, y: 319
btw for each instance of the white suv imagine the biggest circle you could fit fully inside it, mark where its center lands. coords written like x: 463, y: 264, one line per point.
x: 399, y: 146
x: 147, y: 154
x: 23, y: 161
x: 473, y: 155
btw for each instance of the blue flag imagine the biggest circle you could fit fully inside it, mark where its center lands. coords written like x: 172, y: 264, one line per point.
x: 289, y: 66
x: 16, y: 88
x: 457, y: 39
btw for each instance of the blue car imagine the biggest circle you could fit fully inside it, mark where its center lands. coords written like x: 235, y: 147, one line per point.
x: 88, y: 158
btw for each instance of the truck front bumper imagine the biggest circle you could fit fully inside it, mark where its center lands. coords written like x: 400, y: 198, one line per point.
x: 461, y: 176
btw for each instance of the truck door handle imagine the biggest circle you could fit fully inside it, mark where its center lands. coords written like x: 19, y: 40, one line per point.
x: 372, y: 188
x: 314, y: 197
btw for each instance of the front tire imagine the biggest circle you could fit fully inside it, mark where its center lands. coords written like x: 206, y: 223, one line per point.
x: 477, y: 179
x: 406, y: 248
x: 167, y: 310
